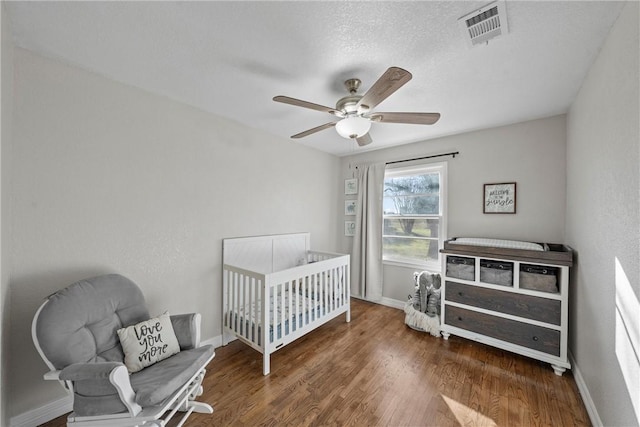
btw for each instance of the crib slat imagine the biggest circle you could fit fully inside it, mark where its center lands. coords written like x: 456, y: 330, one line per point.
x: 246, y: 305
x: 333, y: 297
x: 257, y: 313
x: 308, y: 303
x: 250, y: 312
x: 241, y: 305
x: 272, y: 312
x: 342, y: 285
x: 318, y: 306
x: 275, y: 295
x: 290, y: 311
x: 232, y: 307
x: 265, y: 316
x: 242, y: 317
x: 281, y: 306
x: 315, y: 298
x: 325, y: 284
x: 295, y: 304
x: 236, y: 306
x: 314, y: 303
x: 330, y: 291
x: 225, y: 302
x: 336, y: 281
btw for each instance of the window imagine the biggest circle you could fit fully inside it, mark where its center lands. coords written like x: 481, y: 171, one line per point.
x: 414, y: 213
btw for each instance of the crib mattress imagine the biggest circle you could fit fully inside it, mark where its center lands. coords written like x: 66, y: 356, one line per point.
x: 307, y: 307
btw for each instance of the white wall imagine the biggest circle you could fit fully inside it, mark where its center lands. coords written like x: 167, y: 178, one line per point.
x: 531, y: 153
x: 6, y: 93
x: 108, y: 178
x: 603, y: 221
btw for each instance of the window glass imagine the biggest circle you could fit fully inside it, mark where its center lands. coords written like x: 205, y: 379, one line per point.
x: 413, y: 215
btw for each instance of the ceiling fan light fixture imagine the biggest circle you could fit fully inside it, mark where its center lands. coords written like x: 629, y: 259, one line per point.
x: 353, y: 127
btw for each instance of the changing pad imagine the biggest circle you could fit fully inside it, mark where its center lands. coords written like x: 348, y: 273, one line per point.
x: 498, y: 243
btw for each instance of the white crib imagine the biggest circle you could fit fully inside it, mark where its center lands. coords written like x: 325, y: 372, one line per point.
x: 279, y: 282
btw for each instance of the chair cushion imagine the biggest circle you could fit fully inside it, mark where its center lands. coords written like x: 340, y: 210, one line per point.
x: 78, y: 324
x: 148, y: 342
x: 154, y: 384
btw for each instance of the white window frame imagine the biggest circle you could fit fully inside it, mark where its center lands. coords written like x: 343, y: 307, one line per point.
x: 417, y: 169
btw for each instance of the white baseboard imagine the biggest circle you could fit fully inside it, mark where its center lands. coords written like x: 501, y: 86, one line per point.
x: 393, y: 303
x: 584, y: 393
x: 44, y: 413
x: 214, y: 341
x: 389, y: 302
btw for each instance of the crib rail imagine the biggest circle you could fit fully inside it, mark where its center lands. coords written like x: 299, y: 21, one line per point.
x: 315, y: 256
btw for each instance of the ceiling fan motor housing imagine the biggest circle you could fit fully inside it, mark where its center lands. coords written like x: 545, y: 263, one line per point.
x: 348, y: 104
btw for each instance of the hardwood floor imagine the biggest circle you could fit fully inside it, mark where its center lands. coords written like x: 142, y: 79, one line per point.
x: 377, y: 371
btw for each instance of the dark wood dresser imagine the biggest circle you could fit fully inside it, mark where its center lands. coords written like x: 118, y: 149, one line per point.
x: 514, y: 299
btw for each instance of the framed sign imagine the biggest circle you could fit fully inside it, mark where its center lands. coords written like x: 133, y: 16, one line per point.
x: 351, y: 186
x: 350, y: 228
x: 350, y: 207
x: 500, y: 198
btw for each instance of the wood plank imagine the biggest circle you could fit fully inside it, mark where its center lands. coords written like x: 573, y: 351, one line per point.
x: 377, y: 371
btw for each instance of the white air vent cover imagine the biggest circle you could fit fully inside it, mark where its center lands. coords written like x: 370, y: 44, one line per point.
x: 485, y: 23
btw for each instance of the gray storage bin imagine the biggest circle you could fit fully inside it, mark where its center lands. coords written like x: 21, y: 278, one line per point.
x: 539, y: 278
x: 461, y: 268
x: 496, y: 272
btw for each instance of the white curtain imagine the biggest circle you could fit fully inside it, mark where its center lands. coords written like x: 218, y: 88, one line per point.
x: 366, y: 255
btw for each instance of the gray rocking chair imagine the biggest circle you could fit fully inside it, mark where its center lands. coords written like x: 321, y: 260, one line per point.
x: 75, y: 332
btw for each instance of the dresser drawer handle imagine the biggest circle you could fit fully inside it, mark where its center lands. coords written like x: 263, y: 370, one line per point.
x: 460, y: 318
x: 459, y: 293
x: 535, y: 338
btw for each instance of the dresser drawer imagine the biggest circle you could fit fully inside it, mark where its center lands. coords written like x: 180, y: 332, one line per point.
x: 523, y: 334
x: 525, y: 306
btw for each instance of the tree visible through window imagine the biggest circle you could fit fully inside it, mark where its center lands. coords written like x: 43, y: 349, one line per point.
x: 413, y: 213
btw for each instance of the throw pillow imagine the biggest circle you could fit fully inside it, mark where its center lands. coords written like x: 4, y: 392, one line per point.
x: 148, y: 342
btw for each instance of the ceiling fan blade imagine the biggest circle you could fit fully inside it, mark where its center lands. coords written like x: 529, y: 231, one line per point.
x: 392, y: 79
x: 364, y: 140
x: 412, y: 118
x: 305, y: 104
x: 314, y: 130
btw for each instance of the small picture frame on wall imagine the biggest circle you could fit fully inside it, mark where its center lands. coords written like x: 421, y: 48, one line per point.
x: 351, y: 186
x: 499, y: 198
x: 350, y: 228
x: 350, y: 207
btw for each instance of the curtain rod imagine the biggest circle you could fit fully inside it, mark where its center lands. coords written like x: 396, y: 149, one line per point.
x: 453, y: 153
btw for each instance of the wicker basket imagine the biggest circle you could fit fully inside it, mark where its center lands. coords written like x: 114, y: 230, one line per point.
x: 420, y: 321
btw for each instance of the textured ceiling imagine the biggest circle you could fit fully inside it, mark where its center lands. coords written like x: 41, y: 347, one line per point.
x: 231, y: 58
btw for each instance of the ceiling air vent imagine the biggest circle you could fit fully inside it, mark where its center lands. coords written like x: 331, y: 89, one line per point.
x: 484, y: 24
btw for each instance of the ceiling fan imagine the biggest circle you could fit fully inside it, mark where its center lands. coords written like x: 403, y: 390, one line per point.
x: 355, y: 112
